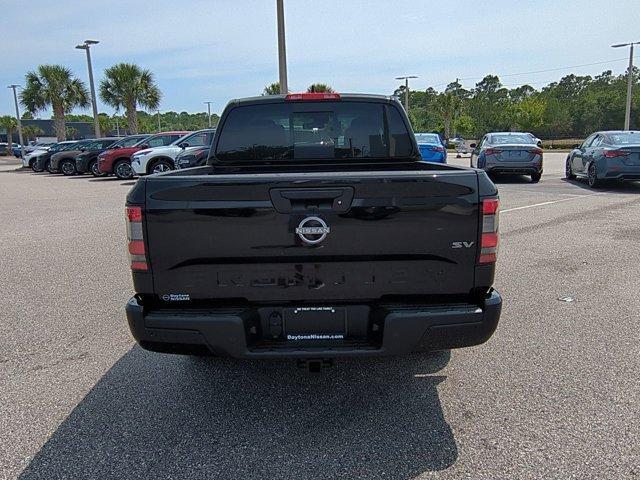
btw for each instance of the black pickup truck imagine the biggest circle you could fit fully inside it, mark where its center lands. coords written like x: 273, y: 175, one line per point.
x: 314, y: 231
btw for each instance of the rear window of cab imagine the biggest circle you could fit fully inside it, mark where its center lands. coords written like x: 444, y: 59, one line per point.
x: 313, y: 131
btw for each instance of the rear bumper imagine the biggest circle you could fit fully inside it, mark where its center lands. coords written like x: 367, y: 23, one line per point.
x: 224, y: 331
x: 514, y: 170
x: 628, y: 175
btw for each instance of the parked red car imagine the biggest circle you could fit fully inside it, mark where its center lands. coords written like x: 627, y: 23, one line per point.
x: 118, y: 161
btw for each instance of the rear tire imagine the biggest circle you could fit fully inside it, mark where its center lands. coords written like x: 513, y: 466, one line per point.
x: 592, y: 176
x: 68, y: 168
x: 535, y: 177
x: 36, y: 168
x: 123, y: 170
x: 160, y: 166
x: 48, y: 168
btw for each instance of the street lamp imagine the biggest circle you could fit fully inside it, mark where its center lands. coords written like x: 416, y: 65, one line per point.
x: 159, y: 129
x: 209, y: 112
x: 282, y: 49
x: 406, y: 90
x: 86, y: 46
x: 627, y: 115
x: 9, y: 140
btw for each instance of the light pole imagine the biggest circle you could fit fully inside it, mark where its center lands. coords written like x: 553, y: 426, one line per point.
x: 627, y: 115
x: 159, y: 121
x: 406, y: 90
x: 117, y: 124
x: 9, y: 140
x: 282, y: 49
x: 86, y: 46
x: 209, y: 112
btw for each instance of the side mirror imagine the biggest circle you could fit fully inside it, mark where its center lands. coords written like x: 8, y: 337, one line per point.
x: 144, y: 145
x: 473, y: 145
x: 576, y: 145
x: 83, y: 149
x: 539, y: 143
x: 183, y: 145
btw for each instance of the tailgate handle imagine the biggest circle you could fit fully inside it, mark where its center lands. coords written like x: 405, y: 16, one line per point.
x: 318, y: 199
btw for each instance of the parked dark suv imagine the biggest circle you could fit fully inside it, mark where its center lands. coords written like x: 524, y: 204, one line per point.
x: 65, y: 161
x: 87, y: 161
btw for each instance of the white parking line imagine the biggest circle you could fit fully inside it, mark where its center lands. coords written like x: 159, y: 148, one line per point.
x: 548, y: 203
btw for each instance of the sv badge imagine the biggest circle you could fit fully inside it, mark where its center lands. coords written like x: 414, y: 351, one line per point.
x: 462, y: 244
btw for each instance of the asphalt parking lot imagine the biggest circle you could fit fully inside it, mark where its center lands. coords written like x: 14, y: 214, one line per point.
x: 554, y: 394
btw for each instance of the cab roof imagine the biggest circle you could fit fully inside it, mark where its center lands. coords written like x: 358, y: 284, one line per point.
x: 282, y: 98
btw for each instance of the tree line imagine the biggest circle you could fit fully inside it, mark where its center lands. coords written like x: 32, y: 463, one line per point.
x: 573, y: 107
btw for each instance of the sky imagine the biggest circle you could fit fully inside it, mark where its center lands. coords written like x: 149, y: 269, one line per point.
x: 217, y: 50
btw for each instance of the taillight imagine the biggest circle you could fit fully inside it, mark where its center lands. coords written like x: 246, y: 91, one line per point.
x: 492, y: 151
x: 436, y: 149
x: 135, y: 239
x: 489, y: 238
x: 313, y: 96
x: 616, y: 153
x: 536, y: 151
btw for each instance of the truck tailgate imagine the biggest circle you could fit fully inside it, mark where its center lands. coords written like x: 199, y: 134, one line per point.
x: 246, y: 236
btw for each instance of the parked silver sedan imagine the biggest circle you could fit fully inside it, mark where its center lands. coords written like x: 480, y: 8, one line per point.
x: 508, y: 152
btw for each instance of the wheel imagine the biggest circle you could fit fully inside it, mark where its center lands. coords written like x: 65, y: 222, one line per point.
x: 592, y: 176
x: 123, y: 170
x: 160, y: 166
x: 36, y: 167
x: 68, y: 168
x: 535, y: 177
x: 48, y: 168
x: 93, y: 168
x: 568, y: 170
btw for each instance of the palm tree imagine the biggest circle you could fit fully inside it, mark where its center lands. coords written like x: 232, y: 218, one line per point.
x: 72, y: 132
x: 448, y: 105
x: 272, y: 89
x: 127, y: 85
x: 106, y: 125
x: 9, y: 124
x: 31, y: 132
x: 320, y: 88
x: 56, y: 87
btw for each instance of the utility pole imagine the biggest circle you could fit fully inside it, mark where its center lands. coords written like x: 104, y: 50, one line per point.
x: 158, y: 121
x: 406, y: 90
x: 627, y: 114
x: 209, y: 112
x: 9, y: 140
x: 86, y: 46
x: 282, y: 49
x: 117, y: 125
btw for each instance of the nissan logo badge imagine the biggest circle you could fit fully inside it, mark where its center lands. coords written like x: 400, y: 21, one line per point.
x: 312, y: 230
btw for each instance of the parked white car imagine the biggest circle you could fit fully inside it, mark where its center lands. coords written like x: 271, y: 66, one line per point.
x: 162, y: 159
x: 37, y: 146
x: 31, y: 156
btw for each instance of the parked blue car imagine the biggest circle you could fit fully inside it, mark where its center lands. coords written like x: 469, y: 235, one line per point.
x: 431, y: 147
x: 17, y: 151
